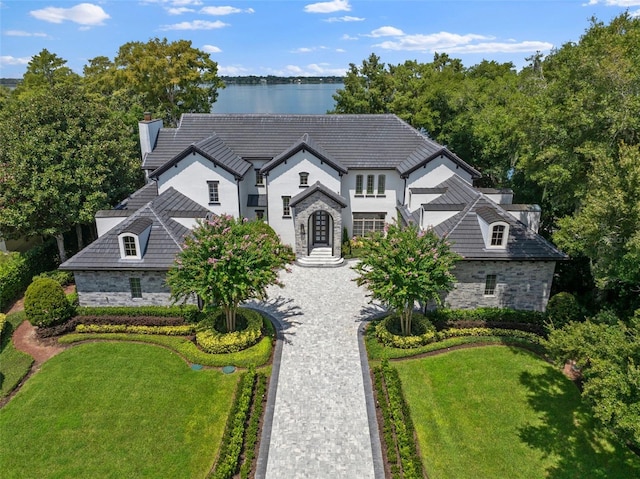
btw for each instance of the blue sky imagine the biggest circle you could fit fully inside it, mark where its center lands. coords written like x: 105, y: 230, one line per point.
x: 298, y: 37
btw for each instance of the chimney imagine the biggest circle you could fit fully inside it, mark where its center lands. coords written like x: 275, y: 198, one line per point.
x: 149, y: 130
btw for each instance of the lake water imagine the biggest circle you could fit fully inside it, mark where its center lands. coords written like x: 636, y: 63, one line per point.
x: 302, y: 99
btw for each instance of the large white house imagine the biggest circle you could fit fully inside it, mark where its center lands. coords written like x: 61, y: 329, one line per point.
x: 312, y: 177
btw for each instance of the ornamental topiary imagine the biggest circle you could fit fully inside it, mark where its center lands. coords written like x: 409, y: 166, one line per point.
x: 389, y: 333
x: 211, y: 340
x: 45, y: 303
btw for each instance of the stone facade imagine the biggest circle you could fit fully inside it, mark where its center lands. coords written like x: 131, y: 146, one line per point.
x: 519, y: 285
x: 113, y: 288
x: 303, y: 227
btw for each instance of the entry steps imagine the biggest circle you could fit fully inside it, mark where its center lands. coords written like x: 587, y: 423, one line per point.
x: 321, y: 257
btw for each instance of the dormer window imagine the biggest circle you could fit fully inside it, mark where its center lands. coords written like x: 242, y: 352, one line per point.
x: 129, y: 246
x: 499, y: 235
x: 133, y: 238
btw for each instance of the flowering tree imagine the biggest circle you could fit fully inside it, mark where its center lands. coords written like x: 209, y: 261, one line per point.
x: 404, y: 265
x: 226, y: 261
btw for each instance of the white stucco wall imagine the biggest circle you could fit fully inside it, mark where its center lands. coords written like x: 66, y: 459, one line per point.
x: 434, y: 173
x: 106, y: 223
x: 284, y: 180
x: 433, y: 218
x: 190, y: 177
x: 371, y: 203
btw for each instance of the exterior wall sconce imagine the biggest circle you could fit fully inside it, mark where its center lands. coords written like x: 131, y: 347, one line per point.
x: 302, y: 229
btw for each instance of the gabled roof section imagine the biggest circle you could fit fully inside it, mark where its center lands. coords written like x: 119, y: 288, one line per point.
x: 164, y: 242
x: 318, y: 187
x: 464, y: 233
x: 132, y: 203
x: 427, y: 152
x: 355, y: 141
x: 304, y: 143
x: 213, y: 149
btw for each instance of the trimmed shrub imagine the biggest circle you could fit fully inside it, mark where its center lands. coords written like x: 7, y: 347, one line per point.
x: 190, y: 313
x: 183, y: 330
x: 563, y: 308
x: 211, y: 340
x: 46, y: 304
x: 18, y: 270
x: 3, y: 320
x: 422, y: 332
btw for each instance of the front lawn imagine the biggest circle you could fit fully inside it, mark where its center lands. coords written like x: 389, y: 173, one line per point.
x: 498, y: 412
x: 116, y: 410
x: 14, y: 364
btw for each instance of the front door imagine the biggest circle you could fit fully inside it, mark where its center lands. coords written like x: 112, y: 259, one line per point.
x: 320, y: 228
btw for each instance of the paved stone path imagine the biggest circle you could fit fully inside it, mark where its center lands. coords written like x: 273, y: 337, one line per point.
x: 322, y: 423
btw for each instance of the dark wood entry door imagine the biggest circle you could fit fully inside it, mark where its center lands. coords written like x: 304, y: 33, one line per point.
x: 320, y: 228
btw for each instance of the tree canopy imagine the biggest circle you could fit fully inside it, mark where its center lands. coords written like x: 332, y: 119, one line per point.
x: 226, y: 261
x: 404, y: 265
x: 64, y: 155
x: 164, y: 78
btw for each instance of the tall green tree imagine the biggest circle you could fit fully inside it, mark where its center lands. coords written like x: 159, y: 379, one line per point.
x: 609, y: 356
x: 63, y: 157
x: 45, y: 70
x: 226, y: 261
x: 165, y: 78
x: 367, y: 89
x: 606, y: 227
x: 404, y: 265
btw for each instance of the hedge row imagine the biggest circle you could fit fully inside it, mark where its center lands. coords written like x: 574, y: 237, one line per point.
x: 3, y: 320
x: 389, y: 339
x: 498, y: 315
x: 251, y: 433
x: 398, y: 427
x: 16, y: 273
x: 183, y: 330
x: 214, y: 342
x: 73, y: 323
x: 233, y: 438
x: 189, y: 313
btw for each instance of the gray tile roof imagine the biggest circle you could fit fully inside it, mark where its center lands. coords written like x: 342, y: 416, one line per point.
x: 355, y: 141
x: 164, y: 241
x: 305, y: 143
x: 132, y: 203
x: 137, y: 226
x: 317, y: 186
x: 464, y: 233
x: 215, y: 150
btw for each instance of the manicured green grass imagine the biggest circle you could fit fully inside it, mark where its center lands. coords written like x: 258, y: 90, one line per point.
x: 115, y: 410
x: 255, y: 356
x: 501, y: 412
x: 14, y: 364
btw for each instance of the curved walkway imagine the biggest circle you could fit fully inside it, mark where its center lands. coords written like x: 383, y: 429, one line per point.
x: 321, y: 422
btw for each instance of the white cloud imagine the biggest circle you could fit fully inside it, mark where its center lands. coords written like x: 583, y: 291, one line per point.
x: 456, y: 43
x: 615, y: 3
x: 219, y: 11
x: 179, y: 10
x: 9, y: 60
x: 346, y: 18
x: 195, y: 25
x: 211, y: 49
x: 308, y: 49
x: 386, y: 32
x: 232, y: 70
x: 503, y: 47
x: 341, y: 50
x: 348, y: 37
x: 20, y: 33
x: 313, y: 69
x: 86, y: 14
x: 328, y: 7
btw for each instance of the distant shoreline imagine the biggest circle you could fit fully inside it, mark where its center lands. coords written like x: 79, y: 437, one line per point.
x: 237, y: 80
